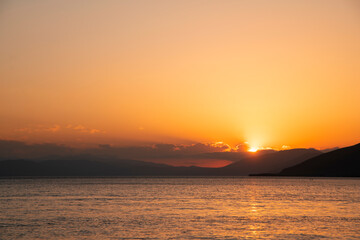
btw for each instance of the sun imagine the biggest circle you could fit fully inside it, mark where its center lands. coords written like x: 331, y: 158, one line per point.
x: 253, y: 149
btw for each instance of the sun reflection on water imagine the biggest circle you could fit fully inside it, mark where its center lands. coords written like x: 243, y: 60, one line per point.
x: 191, y: 208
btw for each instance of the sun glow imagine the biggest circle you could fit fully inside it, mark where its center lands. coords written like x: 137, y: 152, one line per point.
x: 253, y: 149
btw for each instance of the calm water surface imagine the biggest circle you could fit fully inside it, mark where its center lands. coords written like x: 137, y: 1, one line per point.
x: 180, y: 208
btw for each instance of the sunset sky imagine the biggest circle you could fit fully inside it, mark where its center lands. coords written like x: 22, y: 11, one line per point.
x: 269, y: 73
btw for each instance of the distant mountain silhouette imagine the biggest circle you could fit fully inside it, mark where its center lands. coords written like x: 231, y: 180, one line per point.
x: 344, y: 162
x: 270, y: 163
x: 83, y: 165
x: 95, y: 168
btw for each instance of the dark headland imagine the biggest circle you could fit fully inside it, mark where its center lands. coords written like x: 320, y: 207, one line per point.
x: 344, y: 162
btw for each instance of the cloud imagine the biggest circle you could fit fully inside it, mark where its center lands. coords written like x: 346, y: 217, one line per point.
x: 83, y: 129
x: 26, y: 130
x: 58, y: 128
x: 163, y: 152
x: 39, y: 128
x: 20, y: 150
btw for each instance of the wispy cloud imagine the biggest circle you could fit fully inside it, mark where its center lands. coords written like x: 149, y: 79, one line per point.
x: 83, y: 129
x: 58, y: 128
x: 40, y: 128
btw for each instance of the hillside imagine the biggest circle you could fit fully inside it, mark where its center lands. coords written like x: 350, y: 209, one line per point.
x: 344, y: 162
x: 12, y: 168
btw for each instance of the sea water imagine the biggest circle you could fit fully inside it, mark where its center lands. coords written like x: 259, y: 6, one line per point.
x: 180, y: 208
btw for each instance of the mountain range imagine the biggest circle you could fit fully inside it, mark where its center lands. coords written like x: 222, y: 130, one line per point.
x: 344, y: 162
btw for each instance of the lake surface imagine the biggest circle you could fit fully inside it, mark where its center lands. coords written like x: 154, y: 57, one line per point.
x: 180, y: 208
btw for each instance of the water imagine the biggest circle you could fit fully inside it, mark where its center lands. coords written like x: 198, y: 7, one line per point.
x: 180, y: 208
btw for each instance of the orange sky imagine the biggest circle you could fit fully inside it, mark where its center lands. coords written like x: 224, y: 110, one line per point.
x: 271, y: 73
